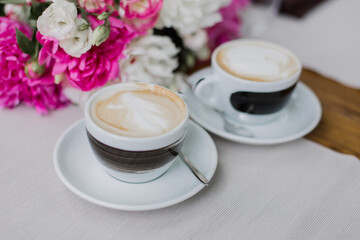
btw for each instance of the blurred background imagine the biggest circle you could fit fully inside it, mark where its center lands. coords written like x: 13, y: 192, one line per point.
x: 323, y: 33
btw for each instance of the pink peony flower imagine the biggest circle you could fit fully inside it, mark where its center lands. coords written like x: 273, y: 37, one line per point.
x: 229, y: 28
x: 95, y: 5
x: 15, y: 86
x: 8, y: 26
x: 44, y: 94
x: 239, y: 4
x: 141, y: 14
x: 97, y: 66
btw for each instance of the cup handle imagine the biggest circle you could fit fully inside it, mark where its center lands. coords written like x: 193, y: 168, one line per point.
x: 206, y: 89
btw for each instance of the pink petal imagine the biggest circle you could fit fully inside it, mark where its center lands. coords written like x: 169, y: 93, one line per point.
x: 59, y: 68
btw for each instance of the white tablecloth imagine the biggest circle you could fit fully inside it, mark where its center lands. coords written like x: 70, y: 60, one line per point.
x: 326, y: 40
x: 298, y: 190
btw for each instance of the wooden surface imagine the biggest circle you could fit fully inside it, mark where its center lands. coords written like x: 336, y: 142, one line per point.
x: 339, y: 128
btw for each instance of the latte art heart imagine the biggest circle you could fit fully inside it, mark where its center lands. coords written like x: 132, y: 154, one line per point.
x: 139, y: 113
x: 257, y: 61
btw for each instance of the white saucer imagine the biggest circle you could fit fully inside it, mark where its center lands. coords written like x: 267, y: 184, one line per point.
x: 78, y: 169
x: 299, y: 117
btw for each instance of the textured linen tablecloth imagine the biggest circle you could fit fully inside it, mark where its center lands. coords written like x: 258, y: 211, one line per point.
x: 298, y: 190
x: 326, y: 40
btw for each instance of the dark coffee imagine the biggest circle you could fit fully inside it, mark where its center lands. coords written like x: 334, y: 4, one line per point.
x: 261, y: 103
x: 133, y: 161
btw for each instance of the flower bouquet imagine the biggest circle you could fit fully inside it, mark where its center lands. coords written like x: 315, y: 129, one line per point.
x: 53, y: 53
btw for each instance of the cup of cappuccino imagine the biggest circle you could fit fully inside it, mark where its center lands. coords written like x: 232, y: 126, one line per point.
x: 251, y: 82
x: 135, y: 129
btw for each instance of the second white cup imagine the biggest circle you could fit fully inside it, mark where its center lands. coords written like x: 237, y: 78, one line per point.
x: 252, y: 80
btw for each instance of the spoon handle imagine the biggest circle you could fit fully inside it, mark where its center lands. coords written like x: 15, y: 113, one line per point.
x: 195, y: 171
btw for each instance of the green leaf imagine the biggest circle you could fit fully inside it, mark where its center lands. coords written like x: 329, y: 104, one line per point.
x: 37, y: 9
x: 25, y: 44
x: 33, y: 38
x: 2, y: 12
x: 13, y: 1
x: 84, y: 14
x: 74, y: 2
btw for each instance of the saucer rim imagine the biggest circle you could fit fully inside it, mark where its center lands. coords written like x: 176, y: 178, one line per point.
x: 126, y: 207
x: 260, y: 141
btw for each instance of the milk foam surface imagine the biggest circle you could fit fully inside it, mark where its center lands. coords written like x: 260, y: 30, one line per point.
x: 140, y: 113
x: 257, y: 61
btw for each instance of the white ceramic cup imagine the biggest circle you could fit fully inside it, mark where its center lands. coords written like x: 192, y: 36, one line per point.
x: 134, y: 159
x: 241, y: 99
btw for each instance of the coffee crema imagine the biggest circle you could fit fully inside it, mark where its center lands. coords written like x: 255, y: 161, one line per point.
x: 138, y: 113
x: 257, y: 61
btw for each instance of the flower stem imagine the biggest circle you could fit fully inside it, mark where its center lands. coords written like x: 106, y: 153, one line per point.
x: 36, y: 53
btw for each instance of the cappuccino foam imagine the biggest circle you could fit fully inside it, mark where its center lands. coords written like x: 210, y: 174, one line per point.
x: 139, y: 113
x: 257, y: 61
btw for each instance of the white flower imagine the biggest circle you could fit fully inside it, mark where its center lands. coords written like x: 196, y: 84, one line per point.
x: 101, y: 33
x: 203, y: 53
x: 196, y: 40
x: 80, y: 42
x: 17, y: 12
x: 58, y: 20
x: 150, y: 59
x: 92, y: 5
x: 179, y: 82
x: 188, y: 16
